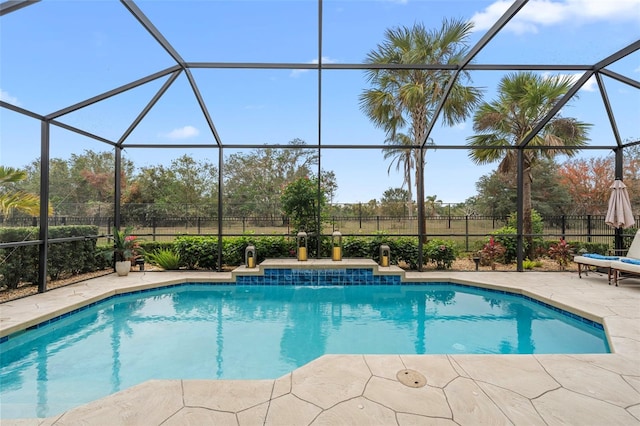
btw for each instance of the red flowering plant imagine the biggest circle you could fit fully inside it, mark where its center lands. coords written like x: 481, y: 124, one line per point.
x: 492, y: 251
x: 126, y: 246
x: 561, y: 253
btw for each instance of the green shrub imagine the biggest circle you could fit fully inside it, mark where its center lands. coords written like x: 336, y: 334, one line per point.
x: 357, y: 247
x: 441, y: 252
x: 537, y: 227
x: 197, y: 251
x: 104, y: 256
x: 165, y: 258
x: 582, y: 247
x: 233, y: 250
x: 507, y: 239
x: 537, y: 224
x: 407, y: 251
x: 151, y: 246
x: 530, y: 264
x: 274, y: 247
x: 20, y: 264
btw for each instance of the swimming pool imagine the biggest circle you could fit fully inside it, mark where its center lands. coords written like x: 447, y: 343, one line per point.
x: 249, y: 331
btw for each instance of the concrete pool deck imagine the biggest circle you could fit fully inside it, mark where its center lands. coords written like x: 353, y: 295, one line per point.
x: 591, y: 389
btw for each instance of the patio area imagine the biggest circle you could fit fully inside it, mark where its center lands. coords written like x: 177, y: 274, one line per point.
x: 587, y: 389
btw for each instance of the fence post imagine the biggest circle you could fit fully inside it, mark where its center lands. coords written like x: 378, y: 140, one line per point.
x: 466, y: 232
x: 360, y: 214
x: 378, y: 223
x: 153, y: 227
x: 588, y: 228
x: 244, y: 219
x: 198, y: 220
x: 564, y: 226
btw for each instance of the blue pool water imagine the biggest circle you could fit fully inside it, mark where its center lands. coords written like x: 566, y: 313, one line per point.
x: 205, y: 331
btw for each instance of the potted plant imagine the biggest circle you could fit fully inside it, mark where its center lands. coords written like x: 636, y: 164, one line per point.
x: 126, y: 248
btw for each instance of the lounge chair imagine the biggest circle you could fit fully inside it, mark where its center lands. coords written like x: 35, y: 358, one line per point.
x: 611, y: 263
x: 588, y: 260
x: 629, y: 264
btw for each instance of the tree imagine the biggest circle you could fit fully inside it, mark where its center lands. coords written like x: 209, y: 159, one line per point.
x: 496, y: 195
x: 407, y: 99
x: 432, y: 205
x: 302, y: 203
x: 404, y: 161
x: 195, y: 181
x: 394, y: 201
x: 92, y: 175
x: 12, y: 199
x: 60, y: 183
x: 182, y: 188
x: 254, y: 182
x: 81, y: 184
x: 524, y: 99
x: 587, y: 181
x: 497, y: 192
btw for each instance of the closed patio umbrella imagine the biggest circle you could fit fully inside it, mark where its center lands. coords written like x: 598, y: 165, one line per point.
x: 619, y: 214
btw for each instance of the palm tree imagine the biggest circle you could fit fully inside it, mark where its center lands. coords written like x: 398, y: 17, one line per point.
x: 404, y: 160
x: 524, y: 99
x: 407, y: 98
x: 12, y: 199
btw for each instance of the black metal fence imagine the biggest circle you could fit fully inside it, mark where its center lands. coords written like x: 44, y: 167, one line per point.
x: 462, y: 229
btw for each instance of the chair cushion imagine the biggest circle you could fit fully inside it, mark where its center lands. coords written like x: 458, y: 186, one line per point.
x: 631, y: 261
x: 600, y: 256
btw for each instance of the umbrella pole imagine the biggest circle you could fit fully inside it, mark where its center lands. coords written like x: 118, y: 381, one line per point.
x: 618, y: 242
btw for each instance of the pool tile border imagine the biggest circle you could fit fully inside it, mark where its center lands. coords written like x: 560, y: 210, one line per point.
x: 306, y: 277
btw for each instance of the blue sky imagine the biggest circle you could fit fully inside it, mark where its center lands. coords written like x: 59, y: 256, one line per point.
x: 56, y: 53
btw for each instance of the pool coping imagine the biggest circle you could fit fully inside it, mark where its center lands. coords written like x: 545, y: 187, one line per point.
x: 45, y: 312
x: 543, y: 388
x: 321, y: 264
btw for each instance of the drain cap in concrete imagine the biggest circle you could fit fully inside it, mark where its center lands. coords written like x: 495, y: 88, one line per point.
x: 411, y: 378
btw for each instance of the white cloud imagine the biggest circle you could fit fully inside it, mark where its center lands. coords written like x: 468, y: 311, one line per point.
x: 548, y: 12
x: 325, y: 60
x: 182, y: 133
x: 589, y: 86
x: 6, y: 97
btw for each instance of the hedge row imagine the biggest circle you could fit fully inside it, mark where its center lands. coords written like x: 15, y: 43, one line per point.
x: 20, y: 264
x: 197, y: 252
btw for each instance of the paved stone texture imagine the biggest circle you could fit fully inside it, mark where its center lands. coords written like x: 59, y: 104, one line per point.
x: 590, y: 389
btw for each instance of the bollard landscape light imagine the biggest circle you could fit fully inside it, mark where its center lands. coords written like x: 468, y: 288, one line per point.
x: 336, y: 246
x: 385, y: 255
x: 250, y: 257
x: 302, y: 246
